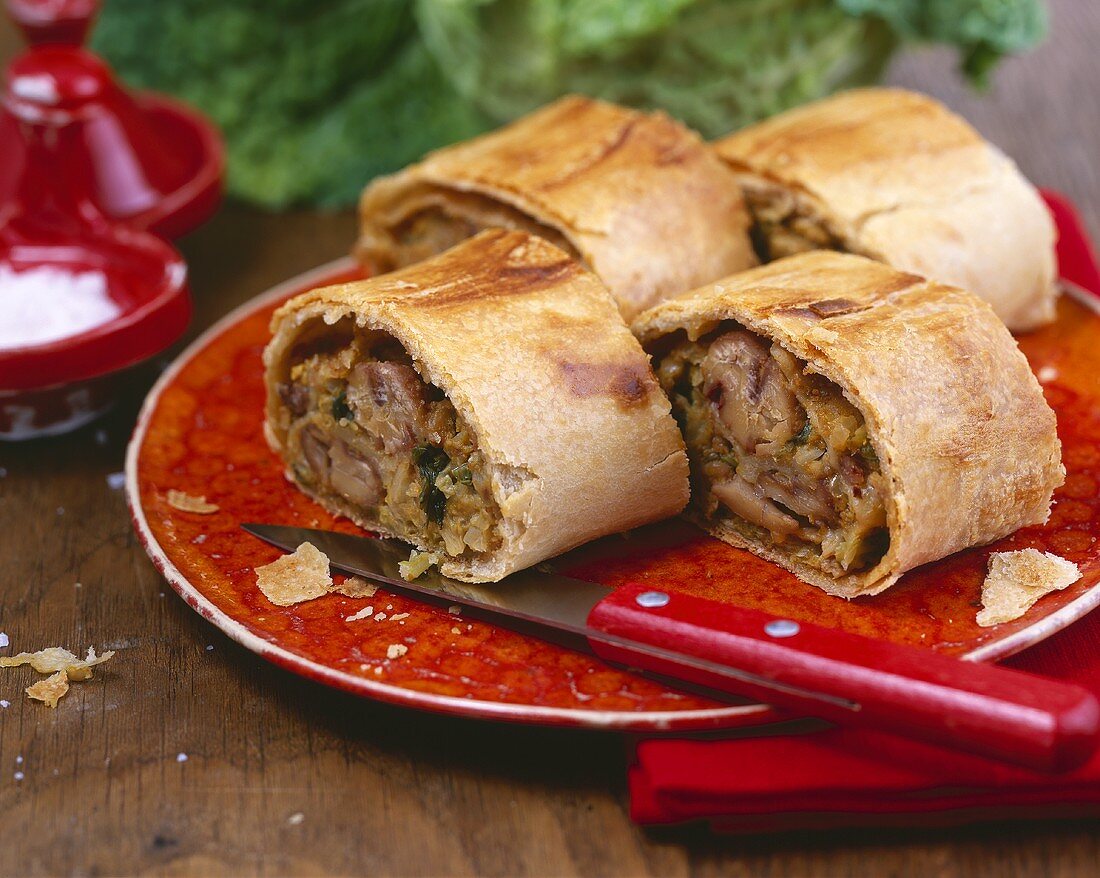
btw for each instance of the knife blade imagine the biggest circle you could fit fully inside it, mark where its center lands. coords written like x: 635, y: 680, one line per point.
x: 833, y: 675
x: 531, y: 596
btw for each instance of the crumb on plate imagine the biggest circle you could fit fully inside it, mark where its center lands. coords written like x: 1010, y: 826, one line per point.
x: 396, y: 650
x: 300, y: 576
x: 1016, y: 580
x: 187, y: 503
x: 356, y: 587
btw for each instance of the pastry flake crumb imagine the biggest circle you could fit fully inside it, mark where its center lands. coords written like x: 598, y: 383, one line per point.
x: 381, y: 617
x: 418, y: 562
x: 396, y: 650
x: 82, y: 670
x: 356, y: 587
x: 362, y: 614
x: 55, y: 659
x: 187, y: 503
x: 1016, y: 580
x: 454, y: 609
x: 456, y: 630
x: 300, y: 576
x: 398, y: 616
x: 51, y: 690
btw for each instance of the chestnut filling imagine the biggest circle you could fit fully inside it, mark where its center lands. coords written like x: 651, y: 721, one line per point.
x: 434, y: 228
x: 365, y: 429
x: 777, y: 451
x: 783, y: 227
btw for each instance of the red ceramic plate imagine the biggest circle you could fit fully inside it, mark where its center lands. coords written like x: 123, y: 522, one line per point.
x: 200, y: 432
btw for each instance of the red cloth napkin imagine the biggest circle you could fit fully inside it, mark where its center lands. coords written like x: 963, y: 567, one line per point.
x: 846, y: 777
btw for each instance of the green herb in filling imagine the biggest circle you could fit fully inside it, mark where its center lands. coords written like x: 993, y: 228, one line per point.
x: 803, y: 435
x: 431, y: 460
x: 340, y: 407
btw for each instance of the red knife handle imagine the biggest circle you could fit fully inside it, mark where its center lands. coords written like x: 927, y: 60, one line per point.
x: 849, y: 679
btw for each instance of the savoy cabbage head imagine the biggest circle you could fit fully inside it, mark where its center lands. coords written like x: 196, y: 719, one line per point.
x: 315, y: 97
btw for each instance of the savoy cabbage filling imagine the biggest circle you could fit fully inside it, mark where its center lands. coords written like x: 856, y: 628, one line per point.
x: 365, y: 429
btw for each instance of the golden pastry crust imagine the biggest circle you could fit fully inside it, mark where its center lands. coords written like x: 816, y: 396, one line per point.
x: 529, y: 348
x: 641, y: 199
x: 898, y: 177
x: 956, y: 418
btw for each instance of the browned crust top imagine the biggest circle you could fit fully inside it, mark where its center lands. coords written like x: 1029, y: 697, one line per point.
x: 957, y: 419
x: 643, y: 200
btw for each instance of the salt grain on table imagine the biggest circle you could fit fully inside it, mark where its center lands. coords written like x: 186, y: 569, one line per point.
x: 4, y: 642
x: 116, y: 481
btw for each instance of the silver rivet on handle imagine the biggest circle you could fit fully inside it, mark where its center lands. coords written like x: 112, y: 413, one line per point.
x: 782, y: 628
x: 652, y: 599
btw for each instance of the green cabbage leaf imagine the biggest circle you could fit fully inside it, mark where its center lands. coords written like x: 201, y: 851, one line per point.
x: 315, y: 97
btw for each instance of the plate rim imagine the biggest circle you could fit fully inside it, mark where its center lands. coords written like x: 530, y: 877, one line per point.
x: 727, y: 717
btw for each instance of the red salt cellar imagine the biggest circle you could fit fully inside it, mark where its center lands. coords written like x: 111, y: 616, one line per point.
x: 91, y: 175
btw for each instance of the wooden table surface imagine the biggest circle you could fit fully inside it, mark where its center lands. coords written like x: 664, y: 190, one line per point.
x: 383, y: 790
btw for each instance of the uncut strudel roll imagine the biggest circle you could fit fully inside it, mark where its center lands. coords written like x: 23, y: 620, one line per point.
x: 640, y: 199
x: 896, y: 176
x: 849, y: 421
x: 488, y: 406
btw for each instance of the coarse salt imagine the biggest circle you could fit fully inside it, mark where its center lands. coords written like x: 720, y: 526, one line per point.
x: 78, y: 301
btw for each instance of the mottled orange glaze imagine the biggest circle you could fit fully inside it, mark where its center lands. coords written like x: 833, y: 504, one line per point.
x: 204, y: 437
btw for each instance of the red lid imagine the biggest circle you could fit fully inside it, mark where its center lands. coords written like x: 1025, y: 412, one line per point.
x: 54, y: 21
x: 148, y: 160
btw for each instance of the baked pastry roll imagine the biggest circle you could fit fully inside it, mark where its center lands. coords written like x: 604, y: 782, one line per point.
x: 488, y: 406
x: 640, y: 199
x: 849, y: 421
x: 896, y: 176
